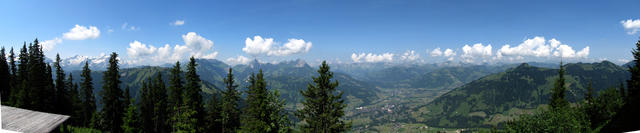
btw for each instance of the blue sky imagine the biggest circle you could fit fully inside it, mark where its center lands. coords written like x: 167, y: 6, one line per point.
x: 344, y: 31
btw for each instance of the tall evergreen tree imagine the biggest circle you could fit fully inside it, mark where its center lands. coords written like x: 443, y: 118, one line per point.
x: 265, y: 112
x: 257, y: 109
x: 279, y: 117
x: 14, y: 80
x: 112, y: 96
x: 192, y: 94
x: 75, y: 104
x: 146, y: 107
x: 230, y: 114
x: 557, y: 93
x: 88, y: 98
x: 185, y: 121
x: 5, y: 77
x: 22, y: 89
x: 62, y: 101
x: 130, y: 119
x: 159, y: 96
x: 626, y: 119
x: 214, y: 118
x: 38, y: 80
x: 323, y: 108
x: 175, y: 94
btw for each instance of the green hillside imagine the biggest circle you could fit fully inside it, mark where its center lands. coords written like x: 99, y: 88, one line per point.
x: 498, y: 97
x: 287, y: 77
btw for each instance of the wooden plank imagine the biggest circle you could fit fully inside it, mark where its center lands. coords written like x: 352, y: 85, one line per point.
x: 28, y: 121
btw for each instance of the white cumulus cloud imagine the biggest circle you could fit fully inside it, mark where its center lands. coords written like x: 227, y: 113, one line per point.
x: 410, y: 55
x: 178, y: 23
x: 469, y: 53
x: 449, y: 52
x: 81, y: 33
x: 238, y: 60
x: 194, y: 45
x: 631, y: 26
x: 50, y: 44
x: 266, y: 46
x: 540, y: 47
x: 137, y: 49
x: 362, y: 57
x: 436, y: 52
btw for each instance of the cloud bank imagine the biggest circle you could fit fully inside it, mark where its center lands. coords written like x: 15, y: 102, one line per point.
x: 372, y: 58
x: 266, y: 46
x: 631, y: 26
x: 194, y: 45
x: 81, y: 33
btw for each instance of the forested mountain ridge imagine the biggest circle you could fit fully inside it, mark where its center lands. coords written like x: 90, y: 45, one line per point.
x: 496, y: 98
x: 287, y: 77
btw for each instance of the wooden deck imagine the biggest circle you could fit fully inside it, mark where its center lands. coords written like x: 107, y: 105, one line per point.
x: 28, y: 121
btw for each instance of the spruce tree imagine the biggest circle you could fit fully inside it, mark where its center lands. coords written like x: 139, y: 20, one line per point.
x: 130, y: 119
x: 279, y: 117
x: 22, y: 89
x: 50, y: 88
x: 323, y: 108
x: 39, y: 79
x: 14, y: 80
x: 557, y: 93
x: 112, y: 103
x: 625, y: 119
x: 214, y: 118
x: 88, y: 98
x: 146, y: 107
x: 159, y: 97
x: 192, y: 96
x: 257, y: 109
x: 230, y: 111
x: 75, y: 104
x: 175, y: 94
x: 185, y: 121
x: 5, y: 77
x: 62, y: 100
x: 265, y: 112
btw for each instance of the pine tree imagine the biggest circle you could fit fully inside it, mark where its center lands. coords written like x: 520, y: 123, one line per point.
x: 5, y: 77
x: 112, y: 96
x: 230, y: 111
x: 625, y: 119
x: 146, y: 107
x: 265, y: 111
x: 214, y: 118
x: 130, y: 119
x: 14, y: 79
x: 62, y: 100
x: 185, y: 121
x: 280, y: 119
x: 88, y: 98
x: 75, y: 104
x: 192, y: 96
x: 50, y: 104
x: 257, y: 109
x: 21, y: 90
x: 159, y: 96
x: 323, y: 109
x: 175, y: 94
x: 38, y: 80
x: 557, y: 95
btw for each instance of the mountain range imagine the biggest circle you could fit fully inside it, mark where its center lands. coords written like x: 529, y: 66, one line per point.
x: 441, y: 95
